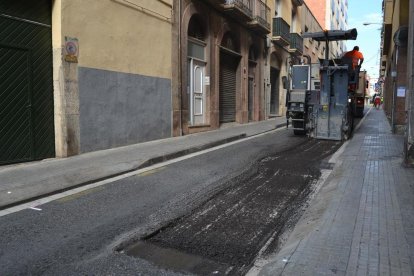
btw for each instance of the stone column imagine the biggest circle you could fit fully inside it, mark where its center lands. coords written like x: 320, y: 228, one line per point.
x: 66, y: 91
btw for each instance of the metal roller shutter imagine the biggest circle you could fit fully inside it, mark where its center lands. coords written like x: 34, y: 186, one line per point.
x: 228, y: 67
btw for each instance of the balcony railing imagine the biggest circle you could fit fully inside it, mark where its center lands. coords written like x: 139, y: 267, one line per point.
x: 261, y: 17
x: 280, y: 31
x: 296, y: 44
x: 240, y: 8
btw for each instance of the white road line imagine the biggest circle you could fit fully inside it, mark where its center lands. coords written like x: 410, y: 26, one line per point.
x: 48, y: 199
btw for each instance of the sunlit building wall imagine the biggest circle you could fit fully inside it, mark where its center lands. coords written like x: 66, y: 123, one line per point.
x: 332, y: 15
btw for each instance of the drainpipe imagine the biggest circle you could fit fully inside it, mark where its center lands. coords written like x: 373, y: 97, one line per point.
x: 409, y: 139
x: 180, y: 80
x: 393, y: 104
x: 394, y: 88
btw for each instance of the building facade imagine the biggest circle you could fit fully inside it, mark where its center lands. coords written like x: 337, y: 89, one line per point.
x: 82, y: 76
x: 220, y: 63
x: 286, y: 49
x: 123, y: 78
x: 232, y: 57
x: 332, y: 15
x: 314, y: 49
x: 121, y: 72
x: 396, y: 73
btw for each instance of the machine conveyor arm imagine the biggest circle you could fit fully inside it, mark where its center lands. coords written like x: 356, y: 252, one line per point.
x: 333, y: 35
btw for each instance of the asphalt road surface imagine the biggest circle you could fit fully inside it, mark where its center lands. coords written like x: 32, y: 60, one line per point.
x: 233, y: 226
x: 218, y: 211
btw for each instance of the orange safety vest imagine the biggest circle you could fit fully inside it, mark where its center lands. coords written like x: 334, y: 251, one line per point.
x: 355, y: 55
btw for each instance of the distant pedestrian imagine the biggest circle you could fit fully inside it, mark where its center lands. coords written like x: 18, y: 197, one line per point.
x: 356, y: 56
x: 377, y: 102
x: 373, y: 98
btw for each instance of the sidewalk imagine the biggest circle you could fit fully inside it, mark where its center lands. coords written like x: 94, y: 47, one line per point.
x: 361, y: 222
x: 27, y: 181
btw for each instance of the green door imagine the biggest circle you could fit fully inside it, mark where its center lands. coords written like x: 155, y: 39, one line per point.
x: 26, y: 83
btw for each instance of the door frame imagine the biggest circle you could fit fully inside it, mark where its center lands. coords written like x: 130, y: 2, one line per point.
x: 193, y: 64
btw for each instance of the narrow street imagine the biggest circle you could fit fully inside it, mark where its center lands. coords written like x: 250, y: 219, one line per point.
x: 222, y: 206
x: 206, y: 137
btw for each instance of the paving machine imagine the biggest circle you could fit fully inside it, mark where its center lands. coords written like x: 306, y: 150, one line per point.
x: 320, y: 96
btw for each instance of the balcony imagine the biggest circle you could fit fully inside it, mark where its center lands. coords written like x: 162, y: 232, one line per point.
x: 296, y: 44
x: 261, y: 17
x: 280, y: 32
x: 239, y: 9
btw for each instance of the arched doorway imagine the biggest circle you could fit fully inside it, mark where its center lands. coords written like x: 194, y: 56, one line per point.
x: 229, y: 62
x: 196, y: 56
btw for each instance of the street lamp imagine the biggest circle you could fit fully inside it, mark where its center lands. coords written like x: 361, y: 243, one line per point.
x: 374, y: 23
x: 371, y: 23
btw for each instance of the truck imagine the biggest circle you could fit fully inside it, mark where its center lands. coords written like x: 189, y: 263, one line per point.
x: 358, y: 94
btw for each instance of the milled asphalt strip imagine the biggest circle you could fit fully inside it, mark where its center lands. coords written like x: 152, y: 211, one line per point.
x: 41, y: 201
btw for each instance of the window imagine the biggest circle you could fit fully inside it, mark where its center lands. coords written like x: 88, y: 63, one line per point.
x: 229, y: 42
x: 278, y: 7
x: 306, y: 31
x: 196, y: 49
x: 195, y: 28
x: 293, y: 26
x: 253, y: 53
x: 198, y: 88
x: 196, y: 36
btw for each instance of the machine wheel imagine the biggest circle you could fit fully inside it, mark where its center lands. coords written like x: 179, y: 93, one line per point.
x: 299, y: 132
x: 350, y: 128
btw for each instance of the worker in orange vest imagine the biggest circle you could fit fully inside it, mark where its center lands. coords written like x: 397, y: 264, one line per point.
x: 356, y: 56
